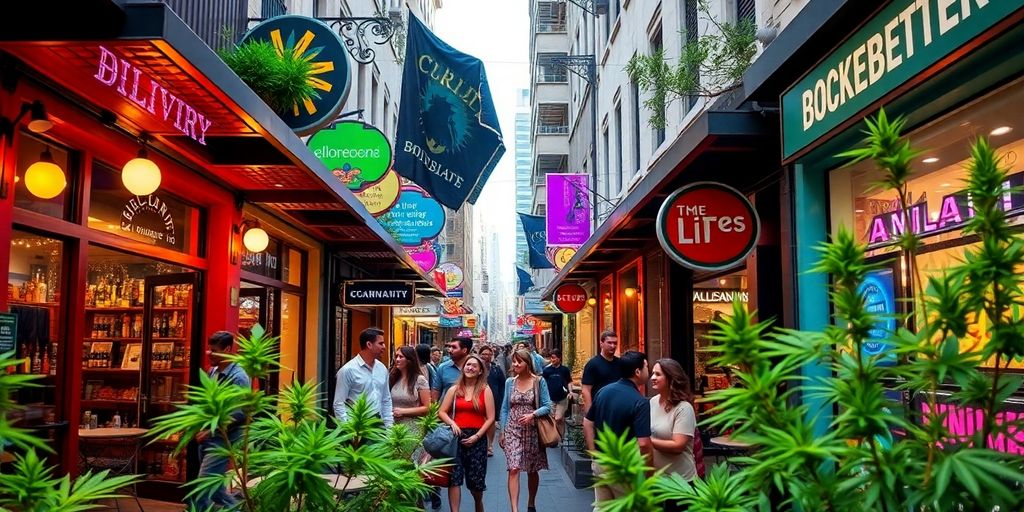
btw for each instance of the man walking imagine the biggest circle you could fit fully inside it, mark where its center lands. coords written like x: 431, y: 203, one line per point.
x: 621, y: 407
x: 448, y: 372
x: 558, y: 379
x: 221, y: 344
x: 601, y: 370
x: 496, y: 381
x: 364, y: 374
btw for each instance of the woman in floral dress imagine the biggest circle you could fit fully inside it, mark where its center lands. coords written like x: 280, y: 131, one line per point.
x: 519, y: 411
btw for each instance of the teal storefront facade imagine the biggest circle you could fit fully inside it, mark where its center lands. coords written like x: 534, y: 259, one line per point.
x: 955, y: 71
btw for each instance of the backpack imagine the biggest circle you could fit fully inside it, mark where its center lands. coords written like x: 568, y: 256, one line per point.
x: 698, y: 453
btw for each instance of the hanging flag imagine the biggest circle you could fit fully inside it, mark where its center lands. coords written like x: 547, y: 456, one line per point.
x: 536, y: 239
x: 525, y: 282
x: 448, y: 139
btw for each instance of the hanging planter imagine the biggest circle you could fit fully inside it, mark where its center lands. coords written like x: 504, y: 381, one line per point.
x: 282, y: 81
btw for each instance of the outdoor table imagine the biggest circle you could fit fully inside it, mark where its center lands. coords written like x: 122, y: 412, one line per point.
x: 112, y: 449
x: 732, y: 447
x: 341, y: 483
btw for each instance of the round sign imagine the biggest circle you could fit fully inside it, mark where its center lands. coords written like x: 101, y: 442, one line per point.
x: 708, y: 226
x: 453, y: 275
x: 331, y: 73
x: 357, y: 153
x: 570, y: 298
x: 382, y: 195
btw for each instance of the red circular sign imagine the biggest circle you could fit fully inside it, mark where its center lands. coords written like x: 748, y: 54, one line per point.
x: 570, y: 298
x: 708, y: 226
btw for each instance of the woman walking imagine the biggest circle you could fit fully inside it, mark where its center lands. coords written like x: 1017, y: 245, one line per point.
x: 473, y: 406
x: 673, y: 421
x: 410, y: 392
x: 519, y: 412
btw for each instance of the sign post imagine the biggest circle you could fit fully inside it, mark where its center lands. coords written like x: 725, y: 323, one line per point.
x: 708, y: 226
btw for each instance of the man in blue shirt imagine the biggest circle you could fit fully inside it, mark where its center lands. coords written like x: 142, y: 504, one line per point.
x: 448, y: 372
x: 621, y: 407
x: 220, y: 345
x: 558, y: 379
x: 496, y: 381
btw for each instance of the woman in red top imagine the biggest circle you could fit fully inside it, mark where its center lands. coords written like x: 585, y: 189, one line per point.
x: 473, y: 416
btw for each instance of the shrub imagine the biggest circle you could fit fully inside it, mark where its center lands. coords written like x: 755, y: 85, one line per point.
x: 281, y: 80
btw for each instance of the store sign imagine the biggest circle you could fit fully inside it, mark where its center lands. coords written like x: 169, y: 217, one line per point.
x: 450, y: 321
x: 8, y: 332
x: 708, y: 226
x: 719, y: 296
x: 130, y: 82
x: 378, y: 293
x: 964, y: 422
x: 954, y: 213
x: 454, y: 277
x: 900, y: 42
x: 151, y: 218
x: 570, y: 298
x: 568, y: 209
x: 331, y: 74
x: 423, y: 307
x: 879, y: 292
x: 357, y: 153
x: 533, y: 305
x: 560, y: 256
x: 382, y: 195
x: 416, y: 217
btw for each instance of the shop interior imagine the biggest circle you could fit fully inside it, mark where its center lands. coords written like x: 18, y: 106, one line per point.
x: 713, y: 301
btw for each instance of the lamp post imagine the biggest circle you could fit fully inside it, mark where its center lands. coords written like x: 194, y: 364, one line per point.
x: 585, y: 67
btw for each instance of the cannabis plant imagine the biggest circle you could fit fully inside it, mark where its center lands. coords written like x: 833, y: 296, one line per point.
x: 287, y: 445
x: 29, y: 485
x: 281, y: 79
x: 876, y: 454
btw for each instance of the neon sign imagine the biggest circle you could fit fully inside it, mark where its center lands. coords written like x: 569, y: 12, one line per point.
x: 955, y: 211
x: 147, y: 93
x: 964, y: 422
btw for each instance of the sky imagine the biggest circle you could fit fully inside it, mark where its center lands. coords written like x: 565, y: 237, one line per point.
x: 496, y: 32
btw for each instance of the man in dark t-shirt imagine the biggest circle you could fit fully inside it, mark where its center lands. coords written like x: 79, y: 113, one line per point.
x: 601, y: 370
x: 558, y: 378
x: 621, y: 407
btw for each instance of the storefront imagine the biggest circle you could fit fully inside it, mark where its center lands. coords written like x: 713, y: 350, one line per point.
x: 965, y: 80
x: 116, y: 281
x: 418, y: 323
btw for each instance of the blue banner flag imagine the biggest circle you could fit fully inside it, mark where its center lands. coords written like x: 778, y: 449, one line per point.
x: 525, y: 282
x: 448, y: 139
x: 535, y: 228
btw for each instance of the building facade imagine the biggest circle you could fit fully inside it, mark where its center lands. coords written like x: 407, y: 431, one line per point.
x: 524, y: 192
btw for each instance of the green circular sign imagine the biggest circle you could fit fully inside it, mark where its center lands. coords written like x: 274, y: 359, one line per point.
x: 357, y: 153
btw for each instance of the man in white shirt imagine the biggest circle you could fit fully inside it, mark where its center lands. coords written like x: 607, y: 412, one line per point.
x: 364, y: 374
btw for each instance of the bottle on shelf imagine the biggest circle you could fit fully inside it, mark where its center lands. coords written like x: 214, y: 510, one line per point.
x: 37, y: 362
x: 117, y: 420
x: 41, y: 289
x: 52, y: 359
x: 164, y: 327
x: 26, y: 364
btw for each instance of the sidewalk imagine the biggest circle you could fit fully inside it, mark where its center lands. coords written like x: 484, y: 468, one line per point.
x: 555, y: 494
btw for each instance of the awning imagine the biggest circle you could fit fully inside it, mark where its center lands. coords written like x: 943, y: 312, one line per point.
x: 732, y: 146
x: 248, y: 149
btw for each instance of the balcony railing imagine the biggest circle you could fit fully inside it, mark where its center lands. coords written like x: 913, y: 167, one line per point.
x: 553, y: 130
x: 544, y: 28
x: 552, y: 76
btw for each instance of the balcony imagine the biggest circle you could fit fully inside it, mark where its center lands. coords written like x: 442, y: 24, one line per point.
x: 550, y: 17
x: 547, y: 163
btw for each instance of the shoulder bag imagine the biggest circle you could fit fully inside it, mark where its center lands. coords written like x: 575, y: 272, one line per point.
x: 441, y: 443
x: 547, y: 432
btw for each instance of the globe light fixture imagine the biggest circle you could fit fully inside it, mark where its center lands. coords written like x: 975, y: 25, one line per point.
x: 592, y: 301
x: 255, y: 239
x: 39, y: 122
x: 45, y: 179
x: 630, y: 292
x: 140, y: 175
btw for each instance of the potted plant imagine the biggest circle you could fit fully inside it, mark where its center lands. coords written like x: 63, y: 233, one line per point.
x: 281, y: 80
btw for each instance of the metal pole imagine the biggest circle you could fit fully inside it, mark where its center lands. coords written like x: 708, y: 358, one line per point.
x: 593, y: 145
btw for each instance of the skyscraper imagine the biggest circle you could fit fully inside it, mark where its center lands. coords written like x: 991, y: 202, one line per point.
x: 524, y: 192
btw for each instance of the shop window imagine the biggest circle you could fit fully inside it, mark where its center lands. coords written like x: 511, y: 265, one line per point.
x: 34, y: 282
x: 712, y: 301
x: 630, y: 306
x: 267, y: 263
x: 30, y: 150
x: 159, y: 219
x: 291, y: 337
x: 292, y: 269
x: 607, y: 305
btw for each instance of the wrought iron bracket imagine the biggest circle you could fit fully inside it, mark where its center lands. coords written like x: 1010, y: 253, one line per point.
x: 583, y: 66
x: 361, y: 34
x: 594, y: 7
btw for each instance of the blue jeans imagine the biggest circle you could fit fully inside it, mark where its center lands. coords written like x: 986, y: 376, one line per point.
x: 213, y: 464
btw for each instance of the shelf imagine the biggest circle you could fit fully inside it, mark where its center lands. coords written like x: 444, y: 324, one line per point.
x: 171, y: 308
x: 162, y: 479
x: 37, y: 304
x: 156, y: 339
x: 130, y: 340
x: 110, y: 370
x: 169, y: 370
x: 111, y: 403
x: 112, y: 308
x: 168, y: 404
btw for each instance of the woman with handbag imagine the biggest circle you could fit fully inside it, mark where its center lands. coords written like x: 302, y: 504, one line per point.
x: 471, y: 403
x: 526, y: 400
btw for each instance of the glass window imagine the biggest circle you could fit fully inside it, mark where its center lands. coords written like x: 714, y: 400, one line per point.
x: 712, y: 300
x: 607, y: 305
x: 34, y: 295
x: 158, y: 219
x: 30, y: 150
x: 292, y: 270
x: 267, y: 263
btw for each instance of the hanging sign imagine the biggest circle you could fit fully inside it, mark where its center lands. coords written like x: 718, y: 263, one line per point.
x: 416, y: 217
x: 424, y: 306
x: 378, y: 293
x: 708, y: 226
x: 879, y: 293
x: 449, y: 321
x: 426, y: 255
x: 331, y: 75
x: 454, y: 277
x: 357, y: 153
x: 379, y: 197
x: 903, y: 40
x: 560, y: 256
x: 570, y: 298
x: 568, y: 209
x: 8, y: 331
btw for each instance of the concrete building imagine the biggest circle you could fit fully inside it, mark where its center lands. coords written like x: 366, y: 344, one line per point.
x: 524, y: 192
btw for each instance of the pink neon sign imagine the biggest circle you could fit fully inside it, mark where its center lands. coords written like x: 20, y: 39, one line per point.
x: 148, y: 94
x: 964, y: 422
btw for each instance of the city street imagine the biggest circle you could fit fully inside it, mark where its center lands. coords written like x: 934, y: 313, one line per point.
x: 556, y: 492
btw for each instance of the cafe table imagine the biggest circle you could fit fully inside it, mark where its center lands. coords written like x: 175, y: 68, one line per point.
x: 113, y: 449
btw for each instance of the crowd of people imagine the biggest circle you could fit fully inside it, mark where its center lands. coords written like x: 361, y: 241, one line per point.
x: 495, y: 395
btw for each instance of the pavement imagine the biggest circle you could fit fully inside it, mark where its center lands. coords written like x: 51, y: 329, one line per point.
x: 555, y: 494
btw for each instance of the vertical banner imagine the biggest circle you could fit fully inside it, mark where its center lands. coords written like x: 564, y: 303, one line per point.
x: 448, y: 138
x: 536, y: 239
x: 525, y: 281
x: 568, y: 217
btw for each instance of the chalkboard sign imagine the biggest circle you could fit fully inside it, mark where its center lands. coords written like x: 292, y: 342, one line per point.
x: 8, y: 331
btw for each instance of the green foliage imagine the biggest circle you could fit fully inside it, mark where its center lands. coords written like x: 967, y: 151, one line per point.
x: 30, y: 485
x: 287, y: 444
x: 709, y: 65
x: 282, y: 81
x: 858, y: 463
